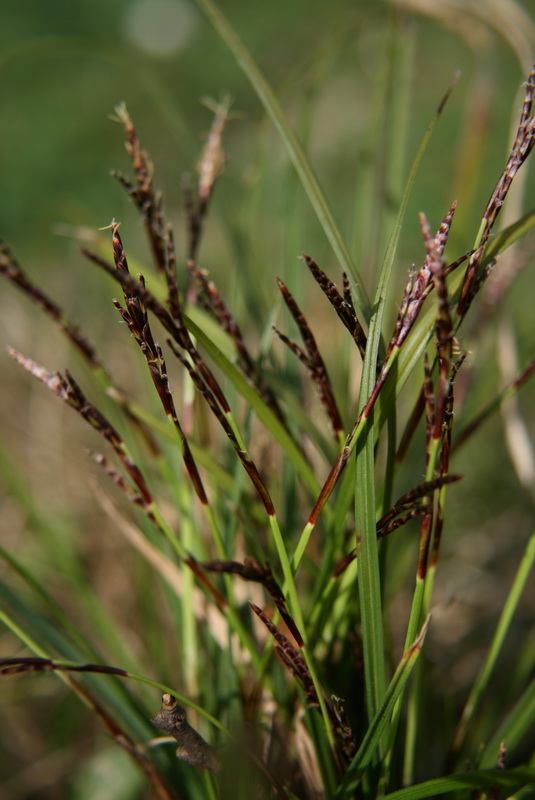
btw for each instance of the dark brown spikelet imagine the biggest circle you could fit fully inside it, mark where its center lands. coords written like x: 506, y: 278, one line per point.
x: 203, y: 579
x: 142, y: 192
x: 222, y: 314
x: 251, y: 570
x: 419, y: 510
x: 522, y: 146
x: 444, y: 326
x: 419, y: 285
x: 217, y: 306
x: 11, y: 269
x: 134, y: 288
x: 296, y: 664
x: 173, y: 299
x: 12, y: 666
x: 134, y: 497
x: 136, y: 317
x: 66, y: 388
x: 291, y: 657
x: 409, y: 503
x: 312, y: 360
x: 429, y: 400
x: 342, y: 304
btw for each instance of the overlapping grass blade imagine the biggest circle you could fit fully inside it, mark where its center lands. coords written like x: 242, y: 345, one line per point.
x: 365, y: 499
x: 112, y: 693
x: 511, y: 780
x: 371, y: 740
x: 257, y: 404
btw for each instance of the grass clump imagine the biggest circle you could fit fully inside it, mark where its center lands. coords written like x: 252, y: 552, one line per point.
x: 269, y: 574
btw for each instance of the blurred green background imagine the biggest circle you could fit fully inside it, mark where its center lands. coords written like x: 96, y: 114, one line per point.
x: 65, y: 66
x: 63, y: 69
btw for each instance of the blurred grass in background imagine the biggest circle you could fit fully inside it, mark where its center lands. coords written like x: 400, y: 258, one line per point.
x: 63, y: 69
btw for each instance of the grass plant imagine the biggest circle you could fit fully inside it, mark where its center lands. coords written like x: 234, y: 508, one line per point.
x: 265, y: 510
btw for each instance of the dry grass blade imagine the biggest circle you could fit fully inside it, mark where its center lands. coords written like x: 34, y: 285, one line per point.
x: 209, y: 169
x: 208, y: 615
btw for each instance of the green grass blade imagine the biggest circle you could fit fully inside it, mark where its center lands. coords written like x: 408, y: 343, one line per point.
x: 290, y: 590
x: 516, y: 728
x: 508, y: 236
x: 524, y: 794
x: 371, y: 740
x: 308, y: 179
x: 503, y: 626
x: 369, y: 582
x: 53, y: 608
x: 21, y: 634
x: 509, y: 779
x: 108, y: 690
x: 111, y: 681
x: 365, y: 505
x: 382, y: 169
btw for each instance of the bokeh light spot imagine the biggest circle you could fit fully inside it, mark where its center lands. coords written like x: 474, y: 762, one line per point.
x: 160, y: 27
